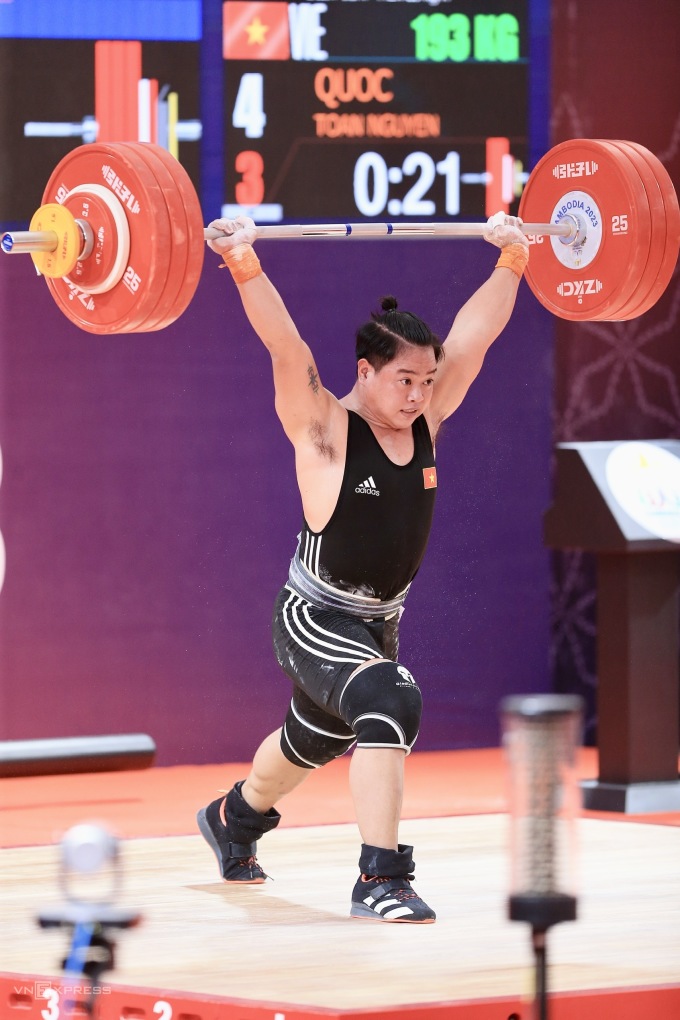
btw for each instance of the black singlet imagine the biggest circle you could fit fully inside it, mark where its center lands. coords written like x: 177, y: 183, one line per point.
x: 376, y: 538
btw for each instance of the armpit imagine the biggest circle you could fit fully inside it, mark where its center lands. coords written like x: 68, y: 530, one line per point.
x: 436, y: 426
x: 318, y: 433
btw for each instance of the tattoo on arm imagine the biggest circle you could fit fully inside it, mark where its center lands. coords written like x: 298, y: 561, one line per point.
x: 313, y: 379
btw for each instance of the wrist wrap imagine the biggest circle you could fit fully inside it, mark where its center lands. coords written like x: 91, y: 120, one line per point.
x: 514, y: 256
x: 242, y: 263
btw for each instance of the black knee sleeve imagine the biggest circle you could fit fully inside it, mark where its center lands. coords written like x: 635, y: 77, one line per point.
x: 310, y: 742
x: 382, y: 703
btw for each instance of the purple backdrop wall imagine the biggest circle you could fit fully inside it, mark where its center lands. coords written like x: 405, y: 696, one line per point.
x: 149, y: 508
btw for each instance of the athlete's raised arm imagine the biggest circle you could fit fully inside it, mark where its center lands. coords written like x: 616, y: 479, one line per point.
x: 300, y: 396
x: 481, y: 319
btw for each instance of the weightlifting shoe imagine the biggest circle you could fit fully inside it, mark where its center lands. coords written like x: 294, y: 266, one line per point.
x: 388, y: 897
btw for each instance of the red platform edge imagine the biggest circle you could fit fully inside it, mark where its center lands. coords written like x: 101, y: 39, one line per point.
x: 32, y: 997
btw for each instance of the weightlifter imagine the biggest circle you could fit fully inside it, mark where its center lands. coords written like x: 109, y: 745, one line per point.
x: 366, y: 472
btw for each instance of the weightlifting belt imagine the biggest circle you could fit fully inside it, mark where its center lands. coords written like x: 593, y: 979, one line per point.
x: 324, y: 596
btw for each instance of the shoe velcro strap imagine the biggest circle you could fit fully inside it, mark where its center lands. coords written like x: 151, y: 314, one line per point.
x: 387, y: 888
x: 242, y: 849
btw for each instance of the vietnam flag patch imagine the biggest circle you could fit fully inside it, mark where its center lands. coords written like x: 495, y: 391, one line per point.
x: 430, y: 478
x: 255, y: 30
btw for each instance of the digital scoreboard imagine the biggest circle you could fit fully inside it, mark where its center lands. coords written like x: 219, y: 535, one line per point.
x: 374, y: 109
x: 303, y: 111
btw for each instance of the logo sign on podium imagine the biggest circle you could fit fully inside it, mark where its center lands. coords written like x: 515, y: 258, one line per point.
x: 644, y: 479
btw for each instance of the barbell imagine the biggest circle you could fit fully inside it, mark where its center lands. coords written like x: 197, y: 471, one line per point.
x: 120, y: 240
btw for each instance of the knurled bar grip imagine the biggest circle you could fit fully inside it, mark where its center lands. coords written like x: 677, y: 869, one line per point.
x: 18, y: 241
x: 359, y: 231
x: 367, y: 230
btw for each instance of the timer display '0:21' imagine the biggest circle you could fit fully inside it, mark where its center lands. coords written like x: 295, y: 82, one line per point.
x: 373, y: 181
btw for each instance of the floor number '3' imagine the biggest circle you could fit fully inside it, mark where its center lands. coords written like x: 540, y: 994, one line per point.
x: 51, y: 996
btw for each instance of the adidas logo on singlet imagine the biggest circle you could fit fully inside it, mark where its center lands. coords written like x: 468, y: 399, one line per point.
x: 367, y: 487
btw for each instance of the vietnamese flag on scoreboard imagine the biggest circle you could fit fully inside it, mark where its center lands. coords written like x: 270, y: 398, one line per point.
x: 254, y: 30
x: 430, y: 478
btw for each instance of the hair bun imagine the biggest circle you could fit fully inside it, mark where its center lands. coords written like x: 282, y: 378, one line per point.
x: 389, y: 304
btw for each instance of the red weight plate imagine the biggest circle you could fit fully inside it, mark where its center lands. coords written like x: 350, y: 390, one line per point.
x: 600, y: 188
x: 672, y: 223
x: 167, y: 297
x: 127, y: 176
x: 195, y: 240
x: 657, y: 239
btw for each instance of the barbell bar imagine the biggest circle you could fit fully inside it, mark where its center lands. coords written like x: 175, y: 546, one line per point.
x: 22, y: 241
x: 120, y: 237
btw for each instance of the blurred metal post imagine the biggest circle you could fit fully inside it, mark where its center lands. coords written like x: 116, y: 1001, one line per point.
x: 540, y: 735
